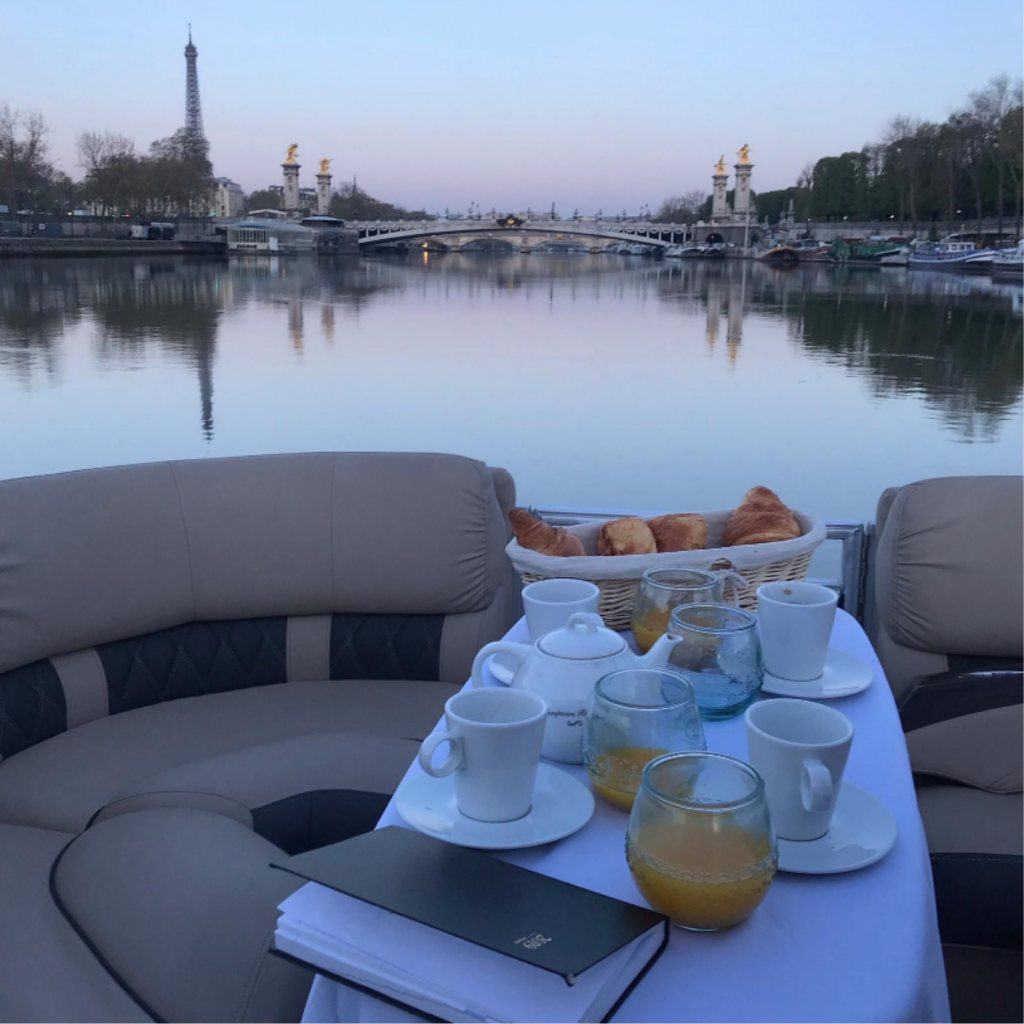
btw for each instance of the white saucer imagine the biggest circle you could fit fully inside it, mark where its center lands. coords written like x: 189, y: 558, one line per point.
x: 863, y: 831
x: 502, y: 667
x: 561, y: 805
x: 844, y: 676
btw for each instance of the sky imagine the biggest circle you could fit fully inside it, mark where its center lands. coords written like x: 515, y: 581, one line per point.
x: 584, y: 103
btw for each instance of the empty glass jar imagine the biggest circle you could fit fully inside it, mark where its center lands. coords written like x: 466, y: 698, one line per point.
x: 720, y: 653
x: 661, y: 590
x: 637, y: 715
x: 700, y: 843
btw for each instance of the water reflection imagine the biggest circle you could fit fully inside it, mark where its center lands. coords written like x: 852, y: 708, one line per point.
x: 954, y: 343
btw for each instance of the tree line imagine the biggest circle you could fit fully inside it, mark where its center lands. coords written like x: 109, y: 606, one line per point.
x: 348, y: 201
x: 173, y: 178
x: 919, y: 172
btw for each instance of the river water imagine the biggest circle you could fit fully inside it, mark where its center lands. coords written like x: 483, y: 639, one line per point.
x: 606, y: 381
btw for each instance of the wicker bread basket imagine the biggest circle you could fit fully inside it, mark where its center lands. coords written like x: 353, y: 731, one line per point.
x: 618, y: 576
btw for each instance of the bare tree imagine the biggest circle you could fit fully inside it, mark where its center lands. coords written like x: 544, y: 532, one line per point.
x: 24, y: 171
x: 994, y: 104
x: 1011, y: 146
x: 902, y: 136
x: 111, y: 169
x: 684, y: 209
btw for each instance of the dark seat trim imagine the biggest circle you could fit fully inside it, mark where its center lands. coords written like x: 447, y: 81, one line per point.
x: 973, y: 894
x: 947, y: 695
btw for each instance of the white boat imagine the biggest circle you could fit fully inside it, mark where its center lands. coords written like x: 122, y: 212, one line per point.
x: 1009, y: 262
x: 637, y: 250
x: 898, y: 257
x: 673, y: 252
x: 952, y: 253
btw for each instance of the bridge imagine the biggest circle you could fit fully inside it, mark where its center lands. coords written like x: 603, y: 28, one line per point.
x: 523, y: 232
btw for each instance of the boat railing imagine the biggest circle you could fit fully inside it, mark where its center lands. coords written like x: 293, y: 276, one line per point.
x: 844, y: 570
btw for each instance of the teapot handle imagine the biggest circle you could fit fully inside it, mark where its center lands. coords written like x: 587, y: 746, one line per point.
x: 521, y: 652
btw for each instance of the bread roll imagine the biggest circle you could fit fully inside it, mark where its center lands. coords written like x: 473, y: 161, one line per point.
x: 535, y: 534
x: 627, y: 536
x: 760, y: 518
x: 682, y: 531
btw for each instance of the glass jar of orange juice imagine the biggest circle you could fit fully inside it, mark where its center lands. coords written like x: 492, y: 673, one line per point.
x: 661, y: 590
x: 700, y: 844
x: 637, y: 714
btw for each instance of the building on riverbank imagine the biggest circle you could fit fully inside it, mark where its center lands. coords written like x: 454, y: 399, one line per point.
x: 228, y: 198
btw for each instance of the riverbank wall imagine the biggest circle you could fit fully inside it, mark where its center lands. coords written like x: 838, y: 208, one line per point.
x: 25, y: 247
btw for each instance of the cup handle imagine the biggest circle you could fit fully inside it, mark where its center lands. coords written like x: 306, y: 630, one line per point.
x: 450, y: 763
x: 815, y: 786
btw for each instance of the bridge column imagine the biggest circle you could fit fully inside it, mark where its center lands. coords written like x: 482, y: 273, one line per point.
x: 291, y: 187
x: 741, y: 202
x: 719, y: 209
x: 323, y: 194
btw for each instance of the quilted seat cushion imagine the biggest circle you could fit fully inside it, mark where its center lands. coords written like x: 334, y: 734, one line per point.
x: 63, y: 782
x: 181, y: 906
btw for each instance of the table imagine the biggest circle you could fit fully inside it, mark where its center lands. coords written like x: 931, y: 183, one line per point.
x: 862, y: 946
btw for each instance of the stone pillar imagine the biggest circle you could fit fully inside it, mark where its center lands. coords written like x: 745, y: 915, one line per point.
x: 291, y: 187
x: 719, y: 210
x: 741, y: 200
x: 323, y: 194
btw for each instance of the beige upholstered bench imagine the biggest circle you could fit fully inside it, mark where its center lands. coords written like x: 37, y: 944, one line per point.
x: 202, y: 664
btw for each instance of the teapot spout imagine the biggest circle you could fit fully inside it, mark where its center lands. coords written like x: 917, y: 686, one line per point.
x: 657, y: 656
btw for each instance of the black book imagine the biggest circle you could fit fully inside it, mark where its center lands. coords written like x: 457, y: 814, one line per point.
x: 460, y: 935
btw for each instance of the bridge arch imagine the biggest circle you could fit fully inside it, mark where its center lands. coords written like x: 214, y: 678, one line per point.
x: 656, y: 235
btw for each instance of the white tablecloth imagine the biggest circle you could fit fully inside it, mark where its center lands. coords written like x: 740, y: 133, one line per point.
x: 862, y: 946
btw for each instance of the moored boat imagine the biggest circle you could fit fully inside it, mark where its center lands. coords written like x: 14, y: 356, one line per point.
x: 952, y: 253
x: 783, y: 255
x: 1009, y: 263
x: 810, y: 250
x: 898, y: 257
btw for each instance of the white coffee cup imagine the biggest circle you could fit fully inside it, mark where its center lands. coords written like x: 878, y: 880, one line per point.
x: 494, y: 737
x: 800, y: 748
x: 549, y: 603
x: 795, y: 621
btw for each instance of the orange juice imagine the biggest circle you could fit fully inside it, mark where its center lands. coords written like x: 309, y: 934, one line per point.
x: 616, y: 773
x: 700, y: 874
x: 650, y: 627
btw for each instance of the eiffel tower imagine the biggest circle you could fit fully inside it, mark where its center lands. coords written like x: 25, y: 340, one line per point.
x: 193, y: 111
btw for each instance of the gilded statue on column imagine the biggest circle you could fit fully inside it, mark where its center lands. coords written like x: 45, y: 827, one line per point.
x: 720, y: 166
x: 293, y: 152
x: 744, y: 154
x: 325, y: 165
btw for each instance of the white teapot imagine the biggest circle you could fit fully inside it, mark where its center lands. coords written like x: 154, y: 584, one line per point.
x: 563, y: 668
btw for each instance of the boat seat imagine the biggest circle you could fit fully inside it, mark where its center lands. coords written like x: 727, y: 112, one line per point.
x: 967, y: 771
x: 180, y: 906
x: 205, y: 666
x: 46, y: 972
x: 299, y: 793
x: 947, y: 623
x: 199, y: 742
x: 948, y: 592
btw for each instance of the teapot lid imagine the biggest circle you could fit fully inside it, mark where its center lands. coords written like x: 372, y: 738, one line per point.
x: 582, y: 638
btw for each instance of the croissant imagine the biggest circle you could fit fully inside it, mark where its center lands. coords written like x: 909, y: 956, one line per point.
x: 627, y: 536
x: 759, y: 519
x: 537, y: 535
x: 679, y: 532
